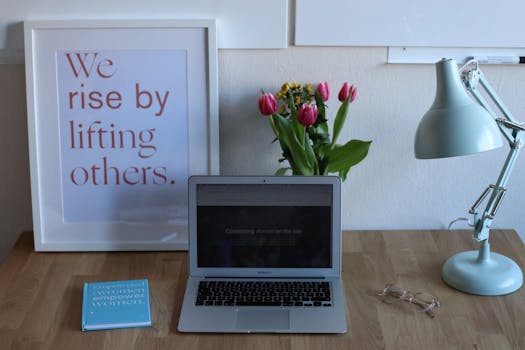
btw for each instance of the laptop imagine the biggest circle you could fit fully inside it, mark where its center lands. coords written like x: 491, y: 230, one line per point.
x: 264, y: 255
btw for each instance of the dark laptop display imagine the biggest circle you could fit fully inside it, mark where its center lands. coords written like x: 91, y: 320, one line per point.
x: 281, y: 226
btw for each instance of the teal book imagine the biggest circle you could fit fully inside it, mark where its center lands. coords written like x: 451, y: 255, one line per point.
x: 116, y: 304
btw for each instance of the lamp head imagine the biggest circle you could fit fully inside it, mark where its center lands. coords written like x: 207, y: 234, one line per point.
x: 454, y: 125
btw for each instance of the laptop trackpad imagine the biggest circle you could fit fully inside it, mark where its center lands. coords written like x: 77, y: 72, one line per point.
x: 263, y: 320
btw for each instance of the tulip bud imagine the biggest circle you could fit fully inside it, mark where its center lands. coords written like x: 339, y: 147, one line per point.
x: 323, y: 91
x: 344, y: 92
x: 353, y: 93
x: 267, y: 104
x: 307, y: 114
x: 347, y: 90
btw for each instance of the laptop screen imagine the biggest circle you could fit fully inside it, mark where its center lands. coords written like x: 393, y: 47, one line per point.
x: 264, y: 225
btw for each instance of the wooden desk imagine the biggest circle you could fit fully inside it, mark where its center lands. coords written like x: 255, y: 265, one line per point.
x: 41, y: 298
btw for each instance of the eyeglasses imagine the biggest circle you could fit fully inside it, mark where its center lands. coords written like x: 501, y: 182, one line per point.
x: 426, y: 302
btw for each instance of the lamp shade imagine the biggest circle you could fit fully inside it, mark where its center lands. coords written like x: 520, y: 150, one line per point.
x: 454, y: 125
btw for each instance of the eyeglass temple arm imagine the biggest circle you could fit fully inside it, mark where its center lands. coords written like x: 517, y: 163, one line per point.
x: 513, y: 132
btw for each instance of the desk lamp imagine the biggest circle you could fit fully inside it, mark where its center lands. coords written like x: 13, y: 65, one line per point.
x: 455, y: 125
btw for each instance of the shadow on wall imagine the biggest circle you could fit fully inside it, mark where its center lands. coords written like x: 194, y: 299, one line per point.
x: 15, y: 205
x: 11, y: 44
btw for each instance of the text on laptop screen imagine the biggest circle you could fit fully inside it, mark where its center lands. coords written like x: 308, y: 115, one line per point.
x: 264, y: 225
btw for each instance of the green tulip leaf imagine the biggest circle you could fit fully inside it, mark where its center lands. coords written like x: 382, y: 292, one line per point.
x: 274, y: 128
x: 298, y: 128
x: 341, y: 158
x: 322, y: 129
x: 340, y: 119
x: 322, y: 150
x: 288, y: 138
x: 312, y: 160
x: 281, y: 171
x: 321, y: 108
x: 343, y: 174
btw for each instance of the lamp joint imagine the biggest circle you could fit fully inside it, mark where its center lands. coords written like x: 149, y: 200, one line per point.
x: 476, y: 204
x: 471, y: 77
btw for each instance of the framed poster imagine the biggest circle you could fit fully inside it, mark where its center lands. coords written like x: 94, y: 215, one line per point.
x: 120, y: 113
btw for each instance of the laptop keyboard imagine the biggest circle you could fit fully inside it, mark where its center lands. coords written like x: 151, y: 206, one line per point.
x: 264, y: 293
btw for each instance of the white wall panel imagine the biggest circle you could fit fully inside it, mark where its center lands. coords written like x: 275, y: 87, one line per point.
x: 240, y: 23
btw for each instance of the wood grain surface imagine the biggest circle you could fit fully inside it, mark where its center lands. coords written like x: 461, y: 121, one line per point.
x: 41, y: 299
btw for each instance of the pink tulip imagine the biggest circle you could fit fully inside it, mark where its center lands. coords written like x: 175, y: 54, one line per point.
x: 323, y: 91
x: 307, y: 114
x: 267, y: 104
x: 347, y: 90
x: 353, y: 94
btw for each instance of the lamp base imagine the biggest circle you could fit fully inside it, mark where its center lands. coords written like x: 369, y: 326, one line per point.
x: 495, y: 275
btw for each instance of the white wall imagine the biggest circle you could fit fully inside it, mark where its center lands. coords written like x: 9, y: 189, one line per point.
x: 389, y: 190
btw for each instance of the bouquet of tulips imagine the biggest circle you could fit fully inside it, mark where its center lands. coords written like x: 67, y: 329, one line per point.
x: 301, y: 127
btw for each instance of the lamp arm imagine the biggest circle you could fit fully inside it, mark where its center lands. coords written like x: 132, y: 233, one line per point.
x: 471, y: 78
x: 497, y: 100
x: 482, y: 223
x: 513, y: 132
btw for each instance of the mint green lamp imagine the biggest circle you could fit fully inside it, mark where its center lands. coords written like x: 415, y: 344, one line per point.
x: 455, y: 125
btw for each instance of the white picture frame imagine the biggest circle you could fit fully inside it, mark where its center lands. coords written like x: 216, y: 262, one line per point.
x: 120, y: 113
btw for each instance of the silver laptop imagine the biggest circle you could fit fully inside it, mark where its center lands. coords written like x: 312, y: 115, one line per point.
x: 264, y: 255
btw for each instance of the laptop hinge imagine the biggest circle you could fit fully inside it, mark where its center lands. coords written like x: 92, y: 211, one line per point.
x: 268, y: 277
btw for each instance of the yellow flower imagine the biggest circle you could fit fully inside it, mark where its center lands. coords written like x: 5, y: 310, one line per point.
x: 284, y: 90
x: 296, y: 87
x: 309, y: 88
